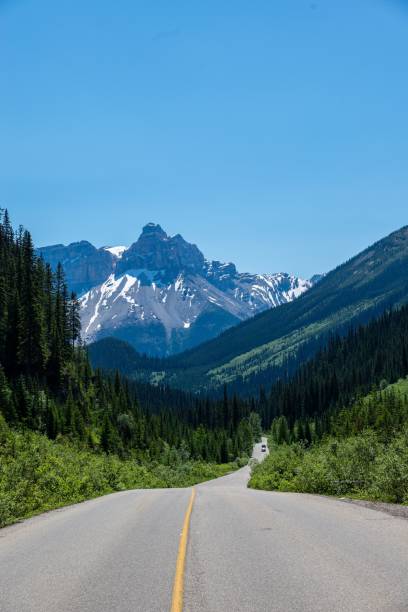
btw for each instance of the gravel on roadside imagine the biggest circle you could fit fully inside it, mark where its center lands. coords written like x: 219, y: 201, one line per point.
x: 393, y: 509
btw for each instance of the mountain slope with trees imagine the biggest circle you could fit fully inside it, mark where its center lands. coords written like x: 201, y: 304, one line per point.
x: 346, y: 368
x: 270, y: 345
x: 340, y: 424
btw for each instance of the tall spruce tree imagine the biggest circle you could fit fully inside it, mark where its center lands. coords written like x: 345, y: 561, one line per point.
x: 74, y: 319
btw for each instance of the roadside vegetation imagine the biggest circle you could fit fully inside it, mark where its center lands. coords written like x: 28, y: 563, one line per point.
x: 363, y: 453
x: 38, y: 474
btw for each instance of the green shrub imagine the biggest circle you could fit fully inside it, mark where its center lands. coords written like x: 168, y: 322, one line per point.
x: 279, y: 469
x: 390, y: 476
x: 360, y: 465
x: 37, y: 474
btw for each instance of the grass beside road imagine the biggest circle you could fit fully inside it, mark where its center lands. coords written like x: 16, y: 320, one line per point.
x: 37, y: 474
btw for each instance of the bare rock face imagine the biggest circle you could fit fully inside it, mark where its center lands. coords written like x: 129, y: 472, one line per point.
x: 167, y: 256
x: 84, y: 265
x: 161, y: 294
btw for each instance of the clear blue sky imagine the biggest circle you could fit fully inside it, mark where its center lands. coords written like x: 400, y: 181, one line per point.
x: 273, y: 133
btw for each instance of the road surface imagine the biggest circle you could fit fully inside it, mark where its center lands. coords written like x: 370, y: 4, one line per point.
x: 247, y: 551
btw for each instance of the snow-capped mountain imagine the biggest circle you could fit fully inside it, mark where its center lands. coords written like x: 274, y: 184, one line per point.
x: 163, y: 296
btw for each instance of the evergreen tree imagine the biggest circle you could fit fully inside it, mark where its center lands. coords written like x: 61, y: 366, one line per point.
x: 108, y: 437
x: 256, y: 426
x: 6, y: 400
x: 74, y: 319
x: 283, y: 431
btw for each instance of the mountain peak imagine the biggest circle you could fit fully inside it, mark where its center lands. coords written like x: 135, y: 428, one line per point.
x: 154, y: 229
x: 168, y: 256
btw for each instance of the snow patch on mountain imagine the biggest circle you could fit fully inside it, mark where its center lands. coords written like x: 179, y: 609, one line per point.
x: 117, y: 251
x: 136, y: 299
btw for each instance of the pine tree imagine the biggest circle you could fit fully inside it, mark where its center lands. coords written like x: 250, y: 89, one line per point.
x: 109, y: 437
x: 31, y: 332
x: 6, y: 399
x: 283, y: 430
x: 256, y: 426
x: 74, y: 319
x: 308, y: 433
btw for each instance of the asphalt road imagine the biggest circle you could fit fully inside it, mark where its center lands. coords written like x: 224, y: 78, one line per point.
x: 247, y: 551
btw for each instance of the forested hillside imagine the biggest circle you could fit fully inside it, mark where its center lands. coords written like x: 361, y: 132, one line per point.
x: 340, y: 424
x: 48, y: 386
x: 346, y: 368
x: 110, y: 354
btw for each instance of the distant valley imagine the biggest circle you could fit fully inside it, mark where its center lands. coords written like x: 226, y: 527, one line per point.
x: 273, y: 343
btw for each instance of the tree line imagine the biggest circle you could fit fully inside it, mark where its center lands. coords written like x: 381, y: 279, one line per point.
x: 39, y: 320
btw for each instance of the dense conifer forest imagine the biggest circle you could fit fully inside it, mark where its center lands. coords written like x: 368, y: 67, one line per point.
x: 340, y: 424
x: 345, y: 369
x: 47, y: 386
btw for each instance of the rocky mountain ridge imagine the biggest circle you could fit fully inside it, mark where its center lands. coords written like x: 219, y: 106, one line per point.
x: 161, y: 294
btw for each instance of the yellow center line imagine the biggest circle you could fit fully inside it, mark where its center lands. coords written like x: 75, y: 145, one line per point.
x: 178, y: 588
